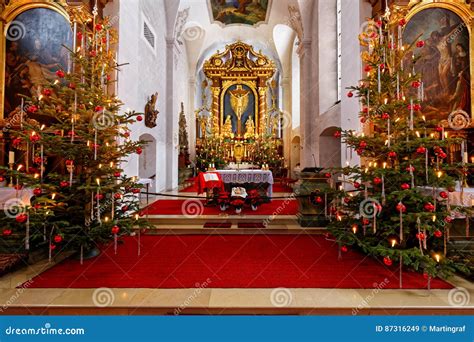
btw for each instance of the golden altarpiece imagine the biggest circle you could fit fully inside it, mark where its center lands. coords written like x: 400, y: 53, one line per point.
x: 240, y: 120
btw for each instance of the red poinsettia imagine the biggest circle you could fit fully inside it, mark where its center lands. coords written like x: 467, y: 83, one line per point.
x: 238, y: 203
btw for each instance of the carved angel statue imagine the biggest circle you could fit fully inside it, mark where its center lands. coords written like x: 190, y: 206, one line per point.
x: 151, y: 114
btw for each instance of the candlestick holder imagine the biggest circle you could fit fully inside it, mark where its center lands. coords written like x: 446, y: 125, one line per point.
x: 10, y: 184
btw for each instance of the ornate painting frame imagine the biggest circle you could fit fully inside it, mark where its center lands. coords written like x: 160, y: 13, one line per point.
x: 458, y: 7
x: 8, y: 15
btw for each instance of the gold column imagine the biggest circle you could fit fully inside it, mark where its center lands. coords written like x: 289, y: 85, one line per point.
x: 215, y: 110
x: 262, y: 108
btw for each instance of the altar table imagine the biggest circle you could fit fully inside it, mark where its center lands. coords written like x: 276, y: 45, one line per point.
x: 248, y: 176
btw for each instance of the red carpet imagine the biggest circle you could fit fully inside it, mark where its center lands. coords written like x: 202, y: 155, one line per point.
x: 228, y: 261
x: 194, y: 207
x: 277, y: 187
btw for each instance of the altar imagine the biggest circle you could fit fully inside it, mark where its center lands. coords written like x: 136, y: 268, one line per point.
x: 255, y: 177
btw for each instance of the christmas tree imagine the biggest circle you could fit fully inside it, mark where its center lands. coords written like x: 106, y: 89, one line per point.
x: 396, y: 206
x: 74, y: 139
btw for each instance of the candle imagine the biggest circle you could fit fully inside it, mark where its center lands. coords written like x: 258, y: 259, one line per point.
x: 411, y: 114
x: 11, y: 157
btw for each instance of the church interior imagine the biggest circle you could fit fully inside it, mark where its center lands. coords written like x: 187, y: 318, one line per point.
x: 300, y: 157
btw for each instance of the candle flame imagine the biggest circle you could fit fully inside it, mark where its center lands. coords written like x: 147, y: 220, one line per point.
x: 437, y: 257
x: 394, y: 242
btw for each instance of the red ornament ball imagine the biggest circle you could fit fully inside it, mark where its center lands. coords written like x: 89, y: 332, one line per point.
x: 115, y: 229
x: 420, y: 236
x: 405, y: 186
x: 385, y: 116
x: 58, y: 238
x: 2, y: 178
x: 448, y: 219
x: 344, y: 249
x: 377, y: 180
x: 416, y: 84
x: 401, y: 207
x: 52, y: 247
x: 356, y: 185
x: 318, y: 199
x: 60, y: 74
x: 443, y: 194
x: 420, y: 44
x: 362, y: 144
x: 7, y: 232
x: 392, y: 154
x: 99, y: 197
x: 438, y: 233
x: 32, y: 109
x: 37, y: 191
x: 135, y: 190
x: 125, y: 208
x: 99, y: 108
x: 387, y: 261
x: 367, y: 68
x: 347, y: 200
x: 421, y: 150
x: 99, y: 27
x: 69, y: 162
x: 327, y: 175
x: 72, y: 86
x: 63, y: 184
x: 139, y: 150
x: 429, y: 207
x: 117, y: 174
x: 365, y: 221
x: 337, y: 134
x: 139, y: 118
x: 402, y: 22
x: 438, y: 129
x: 47, y: 92
x: 21, y: 218
x: 117, y: 195
x: 350, y: 94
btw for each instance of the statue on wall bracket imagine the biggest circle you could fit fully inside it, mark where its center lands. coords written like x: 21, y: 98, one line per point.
x: 151, y: 114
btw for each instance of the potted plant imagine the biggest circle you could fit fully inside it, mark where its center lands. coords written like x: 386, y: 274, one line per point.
x: 223, y: 200
x: 238, y: 204
x: 254, y: 199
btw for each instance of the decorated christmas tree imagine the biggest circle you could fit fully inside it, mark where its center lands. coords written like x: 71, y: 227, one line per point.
x: 74, y: 139
x: 396, y: 205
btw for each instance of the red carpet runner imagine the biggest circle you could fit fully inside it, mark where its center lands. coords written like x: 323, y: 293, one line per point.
x: 195, y: 207
x: 229, y: 261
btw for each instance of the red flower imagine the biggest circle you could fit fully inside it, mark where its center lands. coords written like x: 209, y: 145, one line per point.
x: 420, y: 43
x: 115, y: 230
x: 58, y: 238
x: 387, y: 261
x: 60, y: 74
x: 238, y: 203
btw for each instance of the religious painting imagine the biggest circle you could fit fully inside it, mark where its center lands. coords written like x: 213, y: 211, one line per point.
x: 37, y: 44
x: 443, y: 61
x: 239, y: 110
x: 249, y: 12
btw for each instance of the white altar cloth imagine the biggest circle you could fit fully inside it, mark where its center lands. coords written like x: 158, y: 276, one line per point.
x: 248, y: 176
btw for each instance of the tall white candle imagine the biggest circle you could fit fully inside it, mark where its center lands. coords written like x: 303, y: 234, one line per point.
x: 11, y: 157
